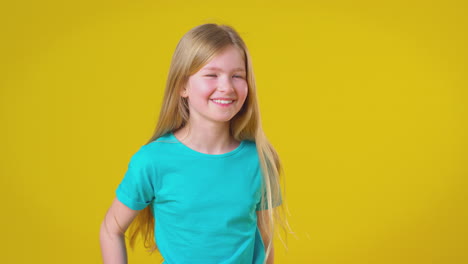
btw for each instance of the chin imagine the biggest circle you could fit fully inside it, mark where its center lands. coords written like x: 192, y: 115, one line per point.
x: 223, y: 119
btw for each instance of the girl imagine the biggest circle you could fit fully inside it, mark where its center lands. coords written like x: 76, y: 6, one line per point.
x: 205, y: 187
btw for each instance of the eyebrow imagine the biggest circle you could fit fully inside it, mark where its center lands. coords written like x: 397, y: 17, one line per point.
x: 216, y: 68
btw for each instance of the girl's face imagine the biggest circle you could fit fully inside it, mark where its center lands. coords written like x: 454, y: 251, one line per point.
x: 217, y: 91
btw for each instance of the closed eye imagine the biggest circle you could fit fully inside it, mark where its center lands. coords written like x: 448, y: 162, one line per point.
x: 238, y: 76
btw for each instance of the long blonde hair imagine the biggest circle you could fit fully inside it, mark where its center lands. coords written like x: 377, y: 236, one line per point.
x: 193, y: 51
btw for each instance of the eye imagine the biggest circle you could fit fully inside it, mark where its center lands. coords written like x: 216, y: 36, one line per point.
x: 211, y: 75
x: 238, y: 76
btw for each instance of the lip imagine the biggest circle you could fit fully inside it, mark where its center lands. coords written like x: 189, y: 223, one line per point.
x: 223, y: 98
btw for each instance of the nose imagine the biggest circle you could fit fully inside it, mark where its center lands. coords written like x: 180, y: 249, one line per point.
x: 225, y: 84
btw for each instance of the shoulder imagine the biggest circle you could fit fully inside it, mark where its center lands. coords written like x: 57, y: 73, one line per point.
x: 251, y: 147
x: 141, y: 158
x: 248, y: 153
x: 154, y: 150
x: 249, y: 144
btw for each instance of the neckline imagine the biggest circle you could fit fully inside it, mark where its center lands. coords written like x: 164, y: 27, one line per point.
x: 200, y: 154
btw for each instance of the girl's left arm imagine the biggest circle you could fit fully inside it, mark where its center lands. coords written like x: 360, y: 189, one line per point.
x: 264, y: 227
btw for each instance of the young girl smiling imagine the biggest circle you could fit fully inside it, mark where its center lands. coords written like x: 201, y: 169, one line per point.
x: 205, y: 187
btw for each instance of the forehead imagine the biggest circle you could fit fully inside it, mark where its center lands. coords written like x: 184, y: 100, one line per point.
x: 230, y: 59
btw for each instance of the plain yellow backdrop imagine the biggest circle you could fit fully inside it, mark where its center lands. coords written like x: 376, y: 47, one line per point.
x: 365, y: 102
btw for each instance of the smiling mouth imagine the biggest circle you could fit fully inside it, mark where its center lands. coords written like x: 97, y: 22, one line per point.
x: 222, y: 102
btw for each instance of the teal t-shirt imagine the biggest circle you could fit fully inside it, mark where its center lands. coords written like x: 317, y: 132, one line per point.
x: 204, y: 205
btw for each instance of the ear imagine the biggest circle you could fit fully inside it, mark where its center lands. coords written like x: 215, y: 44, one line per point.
x: 183, y: 92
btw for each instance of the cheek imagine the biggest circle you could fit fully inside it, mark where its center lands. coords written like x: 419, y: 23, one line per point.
x: 243, y: 91
x: 201, y: 89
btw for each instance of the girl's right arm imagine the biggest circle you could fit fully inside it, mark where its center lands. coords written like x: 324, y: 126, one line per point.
x: 111, y: 236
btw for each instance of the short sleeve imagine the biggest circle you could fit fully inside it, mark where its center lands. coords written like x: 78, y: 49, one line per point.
x: 275, y: 202
x: 136, y: 190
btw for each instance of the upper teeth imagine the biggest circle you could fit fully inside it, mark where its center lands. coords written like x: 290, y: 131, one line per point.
x: 223, y: 101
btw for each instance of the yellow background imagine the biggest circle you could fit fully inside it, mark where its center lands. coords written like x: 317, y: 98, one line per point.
x: 366, y: 102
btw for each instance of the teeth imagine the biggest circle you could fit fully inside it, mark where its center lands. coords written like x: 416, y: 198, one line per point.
x: 223, y: 101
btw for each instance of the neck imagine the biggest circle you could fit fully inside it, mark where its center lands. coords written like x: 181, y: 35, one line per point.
x: 208, y: 138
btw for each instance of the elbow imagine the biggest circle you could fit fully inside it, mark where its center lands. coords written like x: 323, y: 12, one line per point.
x: 106, y: 233
x: 103, y: 232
